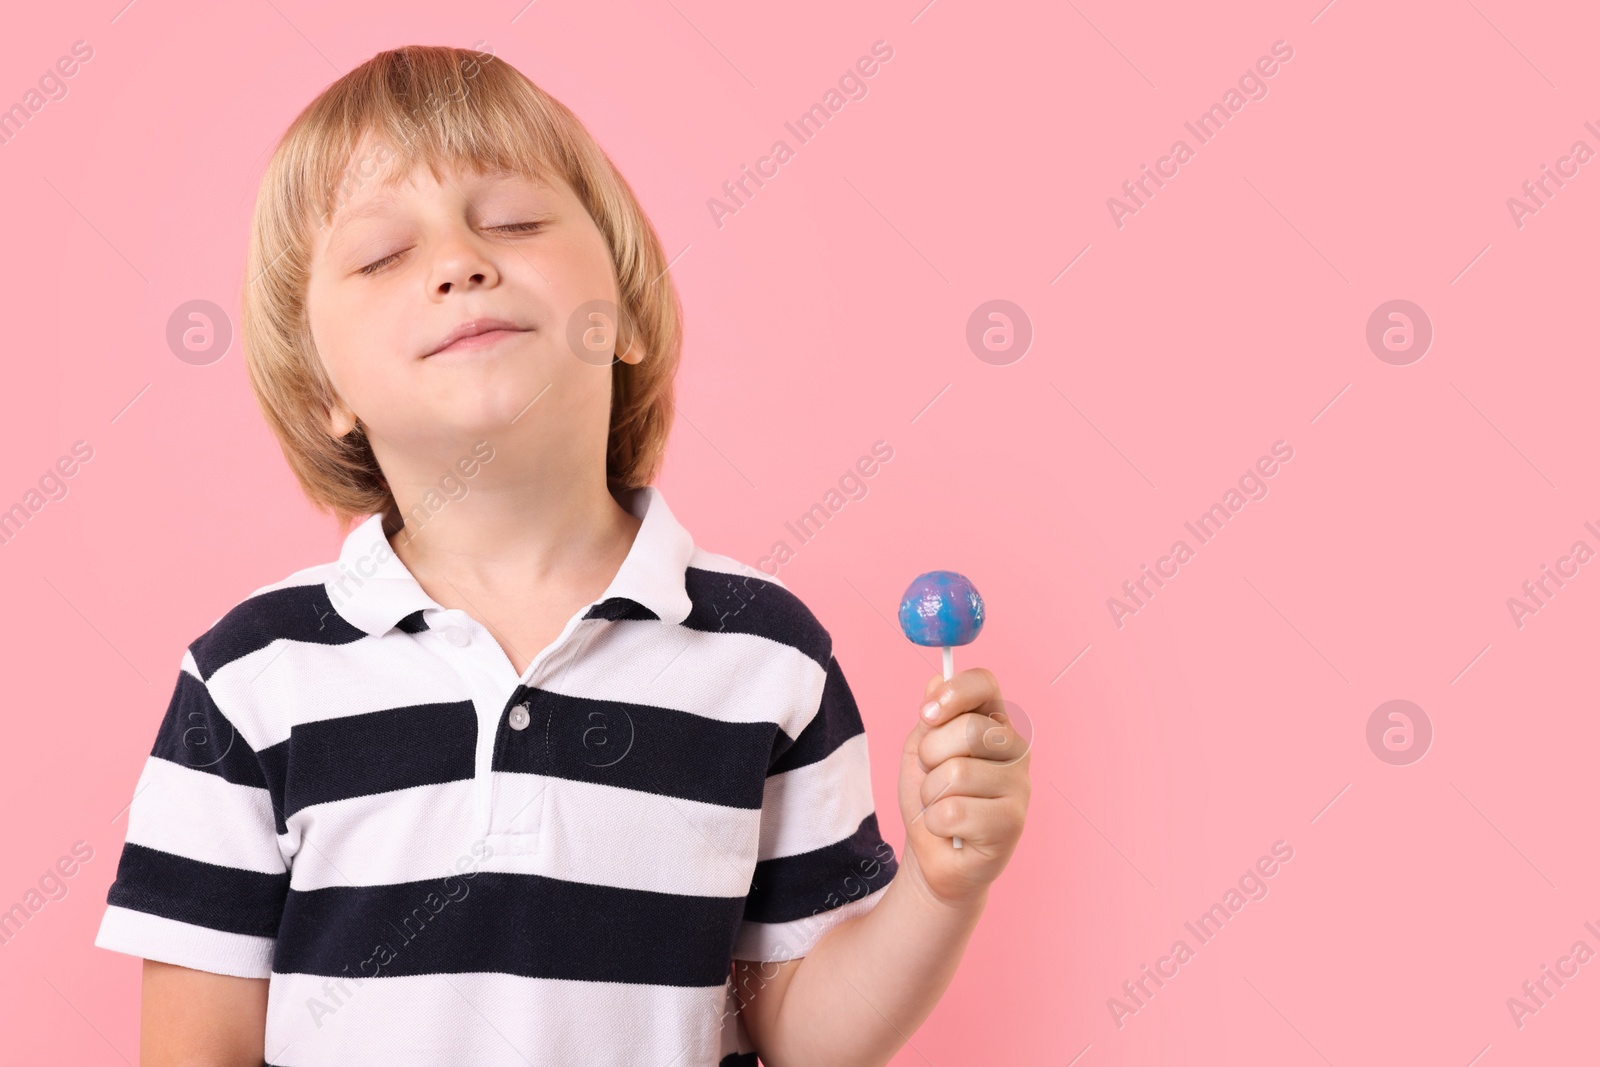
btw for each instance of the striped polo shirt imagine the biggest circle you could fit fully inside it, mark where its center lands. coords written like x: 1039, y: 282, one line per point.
x: 436, y: 861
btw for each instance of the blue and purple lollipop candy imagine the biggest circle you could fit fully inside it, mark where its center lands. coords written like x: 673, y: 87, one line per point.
x: 942, y: 609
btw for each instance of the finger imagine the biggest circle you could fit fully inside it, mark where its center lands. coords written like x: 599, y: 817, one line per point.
x: 987, y: 737
x: 977, y: 820
x: 967, y: 776
x: 966, y: 690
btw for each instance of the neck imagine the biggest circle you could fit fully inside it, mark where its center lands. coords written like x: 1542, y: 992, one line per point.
x: 502, y: 541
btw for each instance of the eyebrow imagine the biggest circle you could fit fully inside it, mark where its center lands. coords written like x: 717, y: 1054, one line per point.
x: 375, y: 205
x: 387, y: 197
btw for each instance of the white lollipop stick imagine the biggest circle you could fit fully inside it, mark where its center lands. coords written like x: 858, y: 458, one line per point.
x: 949, y: 669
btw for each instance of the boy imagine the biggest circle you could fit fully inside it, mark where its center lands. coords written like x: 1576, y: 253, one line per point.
x: 524, y: 777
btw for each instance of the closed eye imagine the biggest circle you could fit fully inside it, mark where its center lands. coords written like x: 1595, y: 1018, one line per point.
x: 515, y: 227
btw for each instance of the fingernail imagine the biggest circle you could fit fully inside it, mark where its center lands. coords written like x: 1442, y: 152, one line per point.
x: 930, y: 709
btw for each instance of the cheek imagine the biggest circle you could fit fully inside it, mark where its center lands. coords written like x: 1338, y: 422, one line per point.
x: 576, y: 269
x: 323, y: 321
x: 571, y: 282
x: 351, y: 331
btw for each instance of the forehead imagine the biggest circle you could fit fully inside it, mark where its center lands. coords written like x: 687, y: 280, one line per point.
x: 376, y: 179
x: 381, y: 176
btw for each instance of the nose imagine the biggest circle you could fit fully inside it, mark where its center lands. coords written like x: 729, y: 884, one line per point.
x: 476, y: 279
x: 460, y: 263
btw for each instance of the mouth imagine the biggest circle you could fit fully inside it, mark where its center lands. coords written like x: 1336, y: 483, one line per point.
x: 475, y: 335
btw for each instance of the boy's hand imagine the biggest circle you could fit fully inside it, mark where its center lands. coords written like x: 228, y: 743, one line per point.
x: 963, y: 773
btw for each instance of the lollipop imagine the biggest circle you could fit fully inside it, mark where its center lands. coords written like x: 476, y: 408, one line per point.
x: 943, y: 609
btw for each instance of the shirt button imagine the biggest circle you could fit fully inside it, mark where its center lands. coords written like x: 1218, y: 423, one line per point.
x: 519, y: 717
x: 457, y: 636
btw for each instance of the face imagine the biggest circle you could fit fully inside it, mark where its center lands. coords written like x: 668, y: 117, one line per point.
x: 401, y: 270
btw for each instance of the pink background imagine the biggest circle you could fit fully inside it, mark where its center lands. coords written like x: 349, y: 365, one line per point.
x: 825, y: 315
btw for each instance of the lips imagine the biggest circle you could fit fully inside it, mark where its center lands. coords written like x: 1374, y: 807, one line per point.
x: 474, y: 328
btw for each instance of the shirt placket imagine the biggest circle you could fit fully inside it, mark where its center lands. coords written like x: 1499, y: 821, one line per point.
x: 509, y: 822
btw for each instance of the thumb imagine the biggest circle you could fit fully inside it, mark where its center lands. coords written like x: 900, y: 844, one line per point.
x: 920, y: 726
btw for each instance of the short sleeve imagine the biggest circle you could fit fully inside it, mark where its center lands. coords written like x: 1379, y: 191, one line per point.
x: 201, y: 881
x: 822, y: 859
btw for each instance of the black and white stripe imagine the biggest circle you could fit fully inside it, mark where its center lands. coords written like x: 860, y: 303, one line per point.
x: 336, y: 800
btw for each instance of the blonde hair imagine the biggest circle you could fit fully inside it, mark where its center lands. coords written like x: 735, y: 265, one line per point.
x: 482, y: 114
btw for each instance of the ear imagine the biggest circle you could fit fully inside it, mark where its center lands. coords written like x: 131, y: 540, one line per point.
x: 341, y: 420
x: 635, y: 351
